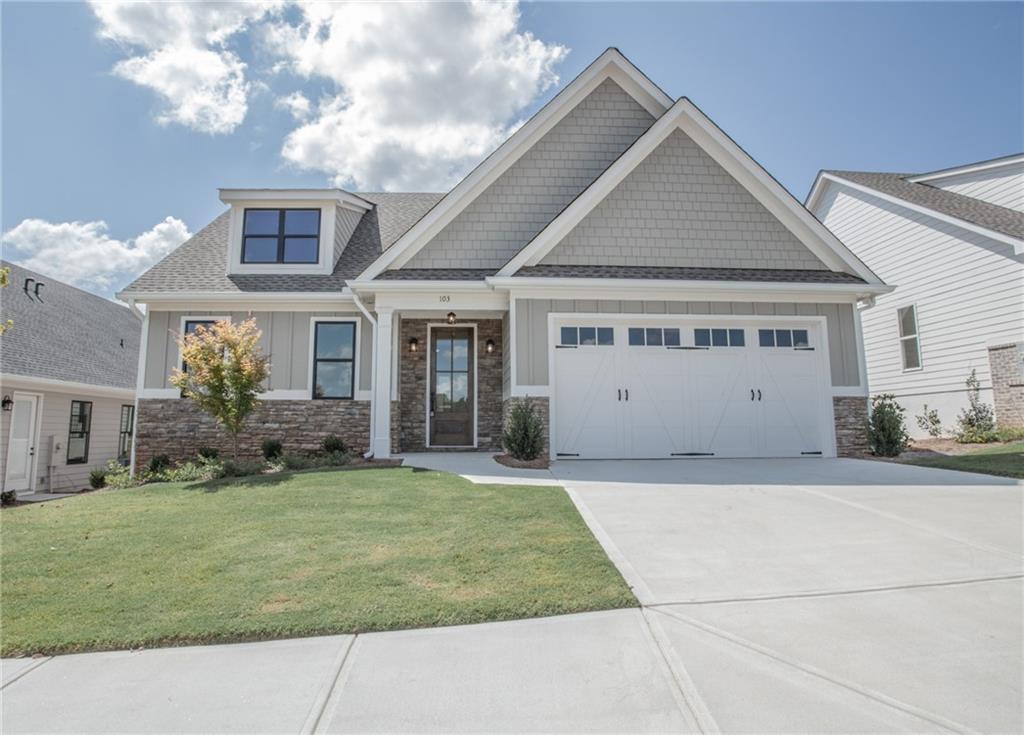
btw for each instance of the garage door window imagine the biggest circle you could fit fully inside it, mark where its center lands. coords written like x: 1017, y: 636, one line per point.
x: 587, y: 337
x: 653, y: 337
x: 718, y: 337
x: 797, y: 338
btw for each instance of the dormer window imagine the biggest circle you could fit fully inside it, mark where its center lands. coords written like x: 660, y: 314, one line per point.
x: 281, y: 236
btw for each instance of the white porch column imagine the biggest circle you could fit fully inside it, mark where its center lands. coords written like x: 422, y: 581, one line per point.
x: 383, y: 337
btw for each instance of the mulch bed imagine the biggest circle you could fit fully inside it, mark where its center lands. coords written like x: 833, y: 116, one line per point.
x: 533, y: 464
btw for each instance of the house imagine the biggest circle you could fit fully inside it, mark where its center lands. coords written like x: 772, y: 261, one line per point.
x: 67, y: 377
x: 619, y: 262
x: 952, y: 243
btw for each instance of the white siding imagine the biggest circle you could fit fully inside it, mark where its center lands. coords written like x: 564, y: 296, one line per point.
x: 968, y: 290
x: 1003, y: 186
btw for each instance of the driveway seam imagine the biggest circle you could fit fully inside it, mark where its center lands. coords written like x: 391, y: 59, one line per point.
x: 325, y: 694
x: 867, y: 692
x: 28, y: 670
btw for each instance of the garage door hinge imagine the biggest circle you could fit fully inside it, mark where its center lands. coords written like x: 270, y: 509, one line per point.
x: 810, y: 452
x: 692, y: 454
x: 565, y: 454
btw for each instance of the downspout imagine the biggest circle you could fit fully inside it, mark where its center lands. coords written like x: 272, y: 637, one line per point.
x: 373, y: 364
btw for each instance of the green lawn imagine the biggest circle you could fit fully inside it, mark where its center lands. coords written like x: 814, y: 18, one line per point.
x: 1006, y: 460
x: 291, y: 555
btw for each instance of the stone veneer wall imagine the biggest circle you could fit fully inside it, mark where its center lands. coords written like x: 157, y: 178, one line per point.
x: 177, y: 428
x: 412, y: 384
x: 1007, y: 365
x: 851, y: 420
x: 540, y: 405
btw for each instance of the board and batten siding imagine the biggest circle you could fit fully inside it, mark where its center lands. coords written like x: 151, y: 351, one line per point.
x: 968, y: 291
x: 285, y: 338
x: 1003, y: 186
x: 532, y: 328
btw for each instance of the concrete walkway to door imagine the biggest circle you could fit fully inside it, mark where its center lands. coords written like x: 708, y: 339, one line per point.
x: 823, y: 595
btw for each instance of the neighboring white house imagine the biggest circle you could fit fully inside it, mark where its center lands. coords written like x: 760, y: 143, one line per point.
x: 67, y: 377
x: 952, y: 243
x: 619, y: 262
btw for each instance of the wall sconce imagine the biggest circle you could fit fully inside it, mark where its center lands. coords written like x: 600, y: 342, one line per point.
x: 7, y: 403
x: 451, y: 317
x: 489, y: 346
x: 414, y: 345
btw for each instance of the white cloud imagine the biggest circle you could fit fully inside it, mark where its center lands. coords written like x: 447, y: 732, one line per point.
x: 296, y: 103
x: 424, y: 90
x: 201, y: 82
x: 83, y: 254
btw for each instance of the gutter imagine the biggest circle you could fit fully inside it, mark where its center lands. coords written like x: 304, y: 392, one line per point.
x: 373, y: 365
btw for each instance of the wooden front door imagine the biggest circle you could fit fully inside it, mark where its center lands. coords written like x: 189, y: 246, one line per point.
x: 452, y: 387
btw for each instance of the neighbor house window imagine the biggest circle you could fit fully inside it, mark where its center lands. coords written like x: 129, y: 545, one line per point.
x: 910, y: 345
x: 78, y: 432
x: 334, y: 352
x: 281, y: 236
x: 124, y: 434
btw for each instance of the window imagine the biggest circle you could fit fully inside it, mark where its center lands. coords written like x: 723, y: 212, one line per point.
x: 124, y: 435
x: 587, y: 336
x: 190, y: 328
x: 783, y: 338
x: 281, y: 236
x: 78, y: 432
x: 910, y: 345
x: 334, y: 351
x: 653, y: 337
x: 719, y: 337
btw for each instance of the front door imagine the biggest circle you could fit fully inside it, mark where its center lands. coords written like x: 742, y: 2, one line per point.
x: 452, y: 387
x: 21, y: 450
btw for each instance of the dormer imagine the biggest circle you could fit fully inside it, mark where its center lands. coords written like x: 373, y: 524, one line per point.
x: 289, y: 230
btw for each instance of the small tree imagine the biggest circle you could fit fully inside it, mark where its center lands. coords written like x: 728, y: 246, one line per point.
x: 224, y: 372
x: 886, y: 426
x: 524, y: 434
x: 928, y: 421
x: 976, y: 421
x: 5, y: 281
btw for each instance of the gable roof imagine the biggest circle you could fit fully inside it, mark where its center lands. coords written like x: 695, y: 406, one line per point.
x: 610, y: 65
x: 200, y: 264
x: 962, y: 209
x: 685, y: 116
x: 67, y: 334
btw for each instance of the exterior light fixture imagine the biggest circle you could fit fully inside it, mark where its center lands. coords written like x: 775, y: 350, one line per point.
x: 451, y: 317
x: 7, y: 403
x: 414, y: 345
x: 489, y: 346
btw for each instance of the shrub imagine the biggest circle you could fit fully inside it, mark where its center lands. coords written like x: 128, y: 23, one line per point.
x: 928, y: 421
x: 886, y: 429
x: 209, y: 452
x: 976, y: 421
x: 1010, y: 434
x: 333, y: 443
x: 204, y: 469
x: 241, y: 468
x: 8, y: 497
x: 271, y: 448
x: 158, y: 463
x: 116, y: 475
x: 337, y: 459
x: 524, y: 435
x: 97, y: 479
x: 297, y: 462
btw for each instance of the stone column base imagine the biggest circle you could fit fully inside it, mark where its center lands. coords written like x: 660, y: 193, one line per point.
x: 851, y: 421
x: 1007, y: 365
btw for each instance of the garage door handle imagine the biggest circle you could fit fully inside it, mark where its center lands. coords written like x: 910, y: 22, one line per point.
x: 759, y: 394
x: 627, y: 394
x: 620, y: 394
x: 751, y: 394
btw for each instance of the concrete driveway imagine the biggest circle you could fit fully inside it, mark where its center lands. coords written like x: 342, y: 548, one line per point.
x: 823, y: 595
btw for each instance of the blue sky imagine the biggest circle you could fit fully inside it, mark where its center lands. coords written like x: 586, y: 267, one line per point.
x: 801, y: 86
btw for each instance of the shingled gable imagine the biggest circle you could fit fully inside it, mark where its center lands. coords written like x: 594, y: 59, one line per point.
x: 611, y: 75
x: 803, y: 242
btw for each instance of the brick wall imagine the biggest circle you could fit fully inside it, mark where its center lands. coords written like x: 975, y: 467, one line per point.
x: 177, y: 428
x: 851, y: 420
x: 1007, y: 365
x: 412, y: 367
x: 540, y: 405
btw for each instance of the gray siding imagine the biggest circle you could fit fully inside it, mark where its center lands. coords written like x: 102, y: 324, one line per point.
x: 345, y: 221
x: 532, y: 328
x: 285, y: 338
x: 679, y: 208
x: 499, y: 222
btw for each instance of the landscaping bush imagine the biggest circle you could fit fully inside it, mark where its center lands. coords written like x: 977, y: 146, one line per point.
x: 159, y: 463
x: 272, y: 449
x: 928, y: 421
x: 97, y: 479
x: 209, y: 452
x: 8, y: 497
x: 297, y: 462
x: 241, y: 468
x: 117, y: 476
x: 336, y: 459
x: 204, y: 469
x: 333, y: 443
x: 524, y: 435
x: 886, y: 429
x: 976, y: 421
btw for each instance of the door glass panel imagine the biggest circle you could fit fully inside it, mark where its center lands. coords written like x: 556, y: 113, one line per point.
x: 766, y: 337
x: 636, y: 336
x: 444, y: 354
x: 653, y: 337
x: 460, y: 354
x: 460, y: 389
x: 719, y: 338
x: 569, y: 336
x: 605, y: 336
x: 702, y: 337
x: 588, y: 336
x: 800, y: 338
x: 672, y: 338
x: 736, y: 338
x: 443, y: 391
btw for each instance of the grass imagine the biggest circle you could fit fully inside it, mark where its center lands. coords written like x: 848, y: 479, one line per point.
x: 291, y: 555
x: 1004, y: 460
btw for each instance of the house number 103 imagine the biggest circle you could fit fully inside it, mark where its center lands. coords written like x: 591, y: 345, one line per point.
x: 445, y: 299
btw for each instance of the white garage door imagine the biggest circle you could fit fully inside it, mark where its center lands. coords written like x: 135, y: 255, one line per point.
x: 689, y: 388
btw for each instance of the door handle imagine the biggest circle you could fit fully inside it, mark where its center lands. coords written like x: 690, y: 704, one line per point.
x: 627, y: 394
x: 759, y: 394
x: 751, y: 394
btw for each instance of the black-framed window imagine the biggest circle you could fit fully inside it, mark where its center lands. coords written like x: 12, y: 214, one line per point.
x: 797, y: 338
x: 78, y: 432
x: 281, y: 236
x: 587, y: 336
x: 334, y: 359
x: 653, y: 337
x: 124, y: 433
x: 719, y: 337
x: 190, y: 328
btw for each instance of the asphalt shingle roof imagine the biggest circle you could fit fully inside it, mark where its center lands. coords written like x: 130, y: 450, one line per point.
x: 67, y: 334
x: 991, y: 216
x: 200, y: 263
x: 772, y: 275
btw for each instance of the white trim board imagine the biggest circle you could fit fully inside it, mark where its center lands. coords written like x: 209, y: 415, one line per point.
x: 970, y: 168
x: 15, y: 382
x: 685, y: 116
x: 609, y: 65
